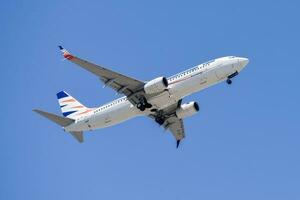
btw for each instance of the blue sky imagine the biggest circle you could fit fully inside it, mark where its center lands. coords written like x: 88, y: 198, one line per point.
x: 243, y: 144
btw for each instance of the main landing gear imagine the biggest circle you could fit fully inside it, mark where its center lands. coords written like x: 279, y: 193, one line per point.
x: 229, y: 81
x: 143, y: 104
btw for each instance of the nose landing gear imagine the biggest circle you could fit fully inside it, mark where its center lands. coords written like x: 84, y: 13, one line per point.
x: 229, y: 81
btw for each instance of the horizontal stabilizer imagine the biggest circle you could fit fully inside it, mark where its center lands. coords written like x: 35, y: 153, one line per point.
x: 78, y: 135
x: 62, y: 121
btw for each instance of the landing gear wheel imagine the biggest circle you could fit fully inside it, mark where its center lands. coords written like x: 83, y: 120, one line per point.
x: 228, y: 81
x: 141, y: 106
x: 148, y: 105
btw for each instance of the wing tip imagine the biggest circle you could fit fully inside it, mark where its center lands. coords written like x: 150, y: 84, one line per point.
x: 177, y: 143
x: 36, y: 111
x: 65, y: 53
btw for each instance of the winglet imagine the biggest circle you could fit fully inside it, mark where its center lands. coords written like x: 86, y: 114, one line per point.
x: 66, y: 54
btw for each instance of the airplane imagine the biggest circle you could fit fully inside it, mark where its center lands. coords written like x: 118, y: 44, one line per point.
x: 159, y: 99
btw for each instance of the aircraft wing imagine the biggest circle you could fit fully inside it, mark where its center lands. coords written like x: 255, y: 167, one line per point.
x: 172, y: 122
x: 119, y: 82
x: 176, y: 127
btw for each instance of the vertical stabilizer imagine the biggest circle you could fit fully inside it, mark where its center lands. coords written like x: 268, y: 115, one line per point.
x: 70, y: 107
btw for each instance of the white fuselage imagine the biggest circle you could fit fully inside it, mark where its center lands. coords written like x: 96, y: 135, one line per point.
x: 180, y: 85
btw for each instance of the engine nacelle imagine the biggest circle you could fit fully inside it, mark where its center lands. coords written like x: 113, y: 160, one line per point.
x: 187, y: 110
x: 156, y: 85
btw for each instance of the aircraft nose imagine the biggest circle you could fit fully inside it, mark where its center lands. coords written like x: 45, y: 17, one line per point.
x: 243, y: 62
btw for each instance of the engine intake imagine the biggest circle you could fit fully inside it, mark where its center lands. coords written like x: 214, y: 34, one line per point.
x: 187, y: 110
x: 156, y: 85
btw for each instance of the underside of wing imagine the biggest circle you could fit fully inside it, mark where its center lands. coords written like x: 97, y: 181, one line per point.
x: 120, y: 83
x: 168, y: 119
x: 176, y: 126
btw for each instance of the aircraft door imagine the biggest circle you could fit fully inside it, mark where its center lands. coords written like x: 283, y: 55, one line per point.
x: 88, y: 124
x: 107, y: 118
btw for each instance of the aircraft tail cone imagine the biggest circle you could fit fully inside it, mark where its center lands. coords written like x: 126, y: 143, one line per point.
x: 177, y: 143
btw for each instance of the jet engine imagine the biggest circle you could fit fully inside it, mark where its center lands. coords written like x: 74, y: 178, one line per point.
x: 187, y: 110
x: 156, y: 85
